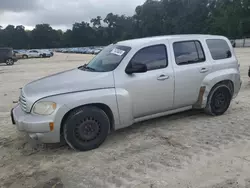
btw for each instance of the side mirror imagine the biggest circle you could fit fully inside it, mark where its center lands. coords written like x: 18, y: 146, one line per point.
x: 137, y: 68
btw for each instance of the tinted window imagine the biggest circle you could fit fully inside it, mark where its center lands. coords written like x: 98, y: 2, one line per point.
x: 219, y: 49
x: 154, y: 57
x: 188, y: 52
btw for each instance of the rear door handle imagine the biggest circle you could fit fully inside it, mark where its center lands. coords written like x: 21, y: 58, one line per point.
x: 163, y: 77
x: 203, y: 70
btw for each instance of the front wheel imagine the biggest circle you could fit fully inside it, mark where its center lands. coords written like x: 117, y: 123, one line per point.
x: 86, y: 128
x: 219, y: 100
x: 9, y: 61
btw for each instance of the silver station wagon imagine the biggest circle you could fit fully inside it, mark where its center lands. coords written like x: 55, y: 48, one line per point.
x: 129, y: 82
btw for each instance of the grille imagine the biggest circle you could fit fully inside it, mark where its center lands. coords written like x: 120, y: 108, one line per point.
x: 23, y: 102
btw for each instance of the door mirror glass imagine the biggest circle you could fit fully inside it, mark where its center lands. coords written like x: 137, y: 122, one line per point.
x: 136, y: 68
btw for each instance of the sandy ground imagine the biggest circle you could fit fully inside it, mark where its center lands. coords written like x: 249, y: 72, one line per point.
x: 186, y: 150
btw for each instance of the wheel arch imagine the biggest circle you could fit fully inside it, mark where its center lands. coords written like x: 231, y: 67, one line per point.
x: 227, y: 82
x: 102, y: 106
x: 206, y: 90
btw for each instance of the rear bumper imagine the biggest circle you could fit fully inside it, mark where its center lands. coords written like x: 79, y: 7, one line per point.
x: 36, y: 126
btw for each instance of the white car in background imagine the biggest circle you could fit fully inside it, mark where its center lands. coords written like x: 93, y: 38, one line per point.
x: 36, y: 53
x: 32, y: 54
x: 47, y: 53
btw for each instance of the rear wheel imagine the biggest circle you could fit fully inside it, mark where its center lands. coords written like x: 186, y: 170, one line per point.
x: 86, y: 128
x: 25, y: 56
x: 41, y: 55
x: 219, y: 100
x: 9, y: 61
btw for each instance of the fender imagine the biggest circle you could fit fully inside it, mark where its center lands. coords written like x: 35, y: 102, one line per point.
x: 76, y: 99
x: 125, y: 108
x: 212, y: 79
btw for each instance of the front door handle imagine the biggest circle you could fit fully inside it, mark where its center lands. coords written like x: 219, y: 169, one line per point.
x: 163, y: 77
x: 203, y: 70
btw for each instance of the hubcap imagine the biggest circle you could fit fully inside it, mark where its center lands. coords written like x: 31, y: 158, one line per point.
x: 9, y: 61
x: 219, y: 100
x: 87, y: 130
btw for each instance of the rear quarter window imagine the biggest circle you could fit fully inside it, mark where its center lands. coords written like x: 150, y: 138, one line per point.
x: 219, y: 49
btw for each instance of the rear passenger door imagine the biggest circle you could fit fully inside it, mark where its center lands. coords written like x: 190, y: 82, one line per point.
x: 191, y: 67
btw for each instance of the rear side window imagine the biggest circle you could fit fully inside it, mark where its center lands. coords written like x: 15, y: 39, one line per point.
x: 154, y: 57
x: 188, y: 52
x: 219, y: 49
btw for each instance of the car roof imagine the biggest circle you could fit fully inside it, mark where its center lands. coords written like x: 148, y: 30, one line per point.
x: 142, y: 41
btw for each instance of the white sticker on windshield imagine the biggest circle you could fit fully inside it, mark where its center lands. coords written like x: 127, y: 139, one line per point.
x: 117, y: 52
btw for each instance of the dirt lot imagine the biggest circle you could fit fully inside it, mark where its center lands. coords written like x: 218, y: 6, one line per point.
x: 186, y: 150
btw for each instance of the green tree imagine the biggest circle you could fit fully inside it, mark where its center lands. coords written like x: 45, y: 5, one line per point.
x: 155, y: 17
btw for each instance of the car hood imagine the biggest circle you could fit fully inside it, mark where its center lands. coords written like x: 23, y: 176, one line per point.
x: 68, y: 81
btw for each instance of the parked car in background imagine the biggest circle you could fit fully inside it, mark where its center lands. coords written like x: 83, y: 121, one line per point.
x: 52, y: 53
x: 46, y: 53
x: 36, y: 53
x: 7, y: 56
x: 96, y: 51
x: 131, y: 81
x: 18, y: 54
x: 32, y: 54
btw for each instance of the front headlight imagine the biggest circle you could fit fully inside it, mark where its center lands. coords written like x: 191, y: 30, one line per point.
x: 44, y: 108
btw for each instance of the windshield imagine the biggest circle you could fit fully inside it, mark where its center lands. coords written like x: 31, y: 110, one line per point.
x: 108, y: 59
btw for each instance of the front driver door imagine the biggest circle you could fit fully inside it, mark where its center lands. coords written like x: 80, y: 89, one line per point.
x: 151, y: 92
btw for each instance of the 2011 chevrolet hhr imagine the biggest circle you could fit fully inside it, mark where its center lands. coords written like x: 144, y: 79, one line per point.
x: 129, y: 82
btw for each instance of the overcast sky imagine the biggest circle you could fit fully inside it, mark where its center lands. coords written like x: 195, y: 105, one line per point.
x: 60, y: 13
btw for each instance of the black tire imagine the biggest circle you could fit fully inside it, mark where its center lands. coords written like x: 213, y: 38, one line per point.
x: 219, y: 100
x: 41, y: 55
x: 9, y: 61
x: 86, y: 128
x: 25, y: 57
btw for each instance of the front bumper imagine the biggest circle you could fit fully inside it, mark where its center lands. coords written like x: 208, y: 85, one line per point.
x: 36, y: 126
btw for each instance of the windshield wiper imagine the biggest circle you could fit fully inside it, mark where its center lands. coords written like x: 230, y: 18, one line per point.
x: 85, y: 67
x: 90, y: 68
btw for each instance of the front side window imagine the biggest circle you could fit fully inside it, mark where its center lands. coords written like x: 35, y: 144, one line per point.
x: 188, y: 52
x: 154, y: 57
x: 108, y: 59
x: 219, y: 49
